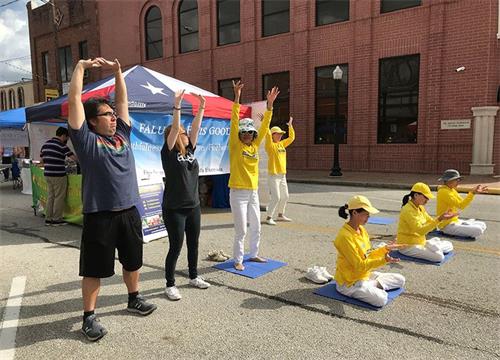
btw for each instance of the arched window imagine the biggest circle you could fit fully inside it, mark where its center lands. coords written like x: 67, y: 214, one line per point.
x: 3, y: 101
x: 153, y: 31
x: 20, y: 96
x: 188, y: 26
x: 12, y: 99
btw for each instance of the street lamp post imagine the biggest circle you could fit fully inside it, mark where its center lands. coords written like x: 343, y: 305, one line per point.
x: 337, y: 77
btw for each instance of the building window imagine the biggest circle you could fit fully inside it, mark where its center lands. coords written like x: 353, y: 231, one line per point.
x: 188, y: 26
x: 154, y: 33
x: 331, y: 11
x: 45, y: 67
x: 228, y: 21
x: 398, y: 99
x: 65, y: 63
x: 281, y: 106
x: 393, y: 5
x: 12, y: 99
x: 3, y: 101
x: 275, y: 17
x: 20, y: 96
x: 330, y: 121
x: 225, y: 88
x: 83, y: 53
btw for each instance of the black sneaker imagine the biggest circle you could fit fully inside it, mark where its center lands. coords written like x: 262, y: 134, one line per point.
x: 59, y: 223
x: 48, y: 222
x: 141, y: 306
x: 92, y: 328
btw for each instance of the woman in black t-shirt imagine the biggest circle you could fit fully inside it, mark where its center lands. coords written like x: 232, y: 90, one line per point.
x: 181, y: 204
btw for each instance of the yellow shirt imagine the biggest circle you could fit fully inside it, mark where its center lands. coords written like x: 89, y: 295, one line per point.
x: 276, y: 152
x: 450, y: 199
x: 244, y: 159
x: 355, y: 260
x: 414, y: 224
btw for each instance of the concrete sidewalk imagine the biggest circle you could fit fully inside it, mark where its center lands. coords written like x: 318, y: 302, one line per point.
x: 390, y: 180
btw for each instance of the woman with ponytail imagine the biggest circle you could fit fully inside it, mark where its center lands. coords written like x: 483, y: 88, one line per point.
x: 415, y: 223
x: 181, y: 203
x: 356, y: 260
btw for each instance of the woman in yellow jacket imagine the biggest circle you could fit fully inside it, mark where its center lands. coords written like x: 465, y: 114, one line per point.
x: 244, y: 141
x: 448, y: 198
x: 415, y: 223
x: 356, y: 260
x: 276, y: 170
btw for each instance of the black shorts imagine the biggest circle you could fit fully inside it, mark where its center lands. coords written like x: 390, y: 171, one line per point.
x: 105, y: 231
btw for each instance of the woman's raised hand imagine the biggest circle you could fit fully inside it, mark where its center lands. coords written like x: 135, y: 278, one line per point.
x: 290, y: 121
x: 237, y: 86
x: 200, y: 98
x: 271, y: 96
x: 179, y: 95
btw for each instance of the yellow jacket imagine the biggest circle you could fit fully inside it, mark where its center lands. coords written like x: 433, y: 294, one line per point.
x: 450, y: 199
x: 244, y: 159
x: 355, y: 260
x: 276, y: 152
x: 414, y: 224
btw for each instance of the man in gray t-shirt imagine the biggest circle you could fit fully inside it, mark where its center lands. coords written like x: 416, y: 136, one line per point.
x: 101, y: 138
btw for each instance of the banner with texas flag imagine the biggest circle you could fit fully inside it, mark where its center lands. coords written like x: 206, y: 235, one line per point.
x: 151, y: 100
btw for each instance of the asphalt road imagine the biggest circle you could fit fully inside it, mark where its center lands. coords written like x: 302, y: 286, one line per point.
x: 447, y: 312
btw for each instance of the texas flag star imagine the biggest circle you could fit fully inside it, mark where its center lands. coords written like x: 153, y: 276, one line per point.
x: 154, y: 90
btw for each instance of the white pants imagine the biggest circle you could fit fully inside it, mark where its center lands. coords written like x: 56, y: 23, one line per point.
x: 246, y: 209
x: 470, y: 228
x: 433, y: 250
x: 369, y: 291
x: 279, y: 194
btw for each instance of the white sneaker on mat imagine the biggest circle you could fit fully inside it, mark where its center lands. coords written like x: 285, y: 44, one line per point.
x: 173, y: 293
x: 283, y: 218
x: 315, y: 275
x: 199, y: 283
x: 322, y: 270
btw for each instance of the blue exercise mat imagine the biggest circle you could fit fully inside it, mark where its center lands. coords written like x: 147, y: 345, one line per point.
x: 330, y: 291
x: 447, y: 256
x: 440, y: 233
x: 252, y: 269
x: 381, y: 220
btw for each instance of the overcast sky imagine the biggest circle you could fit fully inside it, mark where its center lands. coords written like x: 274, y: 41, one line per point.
x: 14, y: 41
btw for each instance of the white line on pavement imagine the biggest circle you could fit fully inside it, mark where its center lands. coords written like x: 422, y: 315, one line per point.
x: 11, y: 318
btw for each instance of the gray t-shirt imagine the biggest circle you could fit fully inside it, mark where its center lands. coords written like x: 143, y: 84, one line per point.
x: 109, y: 181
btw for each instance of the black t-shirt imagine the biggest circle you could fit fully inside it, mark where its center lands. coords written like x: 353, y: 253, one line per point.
x: 181, y: 178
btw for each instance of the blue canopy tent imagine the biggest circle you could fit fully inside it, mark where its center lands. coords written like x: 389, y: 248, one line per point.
x: 13, y: 119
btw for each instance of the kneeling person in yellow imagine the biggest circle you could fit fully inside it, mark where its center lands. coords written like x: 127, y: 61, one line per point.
x: 448, y: 198
x: 415, y: 223
x: 356, y: 259
x: 244, y: 141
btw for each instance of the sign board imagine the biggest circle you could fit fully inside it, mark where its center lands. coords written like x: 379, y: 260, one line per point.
x: 51, y: 94
x: 455, y: 124
x: 151, y: 211
x: 65, y: 87
x: 13, y: 137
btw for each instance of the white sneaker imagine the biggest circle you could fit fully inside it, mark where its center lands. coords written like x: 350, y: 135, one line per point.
x: 322, y: 270
x: 270, y: 222
x: 199, y: 283
x: 316, y: 276
x: 173, y: 293
x: 284, y: 218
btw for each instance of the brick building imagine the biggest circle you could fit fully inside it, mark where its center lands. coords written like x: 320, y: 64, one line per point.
x: 61, y: 32
x: 413, y: 70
